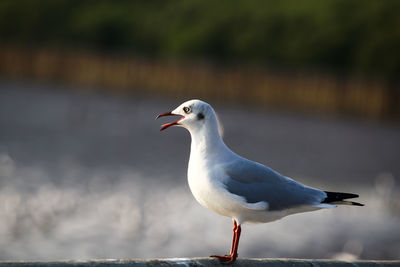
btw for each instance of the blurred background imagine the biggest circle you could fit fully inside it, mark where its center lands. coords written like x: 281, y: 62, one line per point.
x: 310, y: 88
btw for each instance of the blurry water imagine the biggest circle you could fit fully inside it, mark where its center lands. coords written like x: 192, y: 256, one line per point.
x: 90, y: 176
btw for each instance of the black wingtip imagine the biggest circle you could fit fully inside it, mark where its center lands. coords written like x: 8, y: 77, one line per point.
x: 338, y: 198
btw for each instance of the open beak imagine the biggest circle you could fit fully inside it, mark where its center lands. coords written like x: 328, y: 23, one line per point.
x: 167, y: 125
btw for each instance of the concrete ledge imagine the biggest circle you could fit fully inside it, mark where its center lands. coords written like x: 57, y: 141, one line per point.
x: 207, y: 262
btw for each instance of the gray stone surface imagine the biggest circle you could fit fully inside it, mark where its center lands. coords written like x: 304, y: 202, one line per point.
x: 207, y: 262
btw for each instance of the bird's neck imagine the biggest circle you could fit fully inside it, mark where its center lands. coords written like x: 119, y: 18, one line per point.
x: 207, y: 143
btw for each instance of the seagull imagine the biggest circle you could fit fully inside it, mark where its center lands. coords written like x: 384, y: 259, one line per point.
x: 232, y: 186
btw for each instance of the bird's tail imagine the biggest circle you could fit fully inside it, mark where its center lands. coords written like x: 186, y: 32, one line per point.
x: 337, y: 198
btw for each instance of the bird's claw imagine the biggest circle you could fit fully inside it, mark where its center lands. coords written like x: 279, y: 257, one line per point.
x: 224, y: 259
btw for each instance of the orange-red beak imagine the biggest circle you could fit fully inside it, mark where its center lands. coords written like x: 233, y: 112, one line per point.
x: 167, y: 125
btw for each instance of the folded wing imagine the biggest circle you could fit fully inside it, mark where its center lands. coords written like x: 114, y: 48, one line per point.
x: 258, y: 183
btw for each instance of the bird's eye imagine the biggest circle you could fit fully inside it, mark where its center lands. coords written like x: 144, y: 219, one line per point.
x: 187, y: 110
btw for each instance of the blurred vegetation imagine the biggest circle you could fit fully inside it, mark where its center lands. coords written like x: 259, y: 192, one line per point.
x: 343, y: 36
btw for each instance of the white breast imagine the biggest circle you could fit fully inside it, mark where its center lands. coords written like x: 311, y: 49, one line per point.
x: 206, y: 187
x: 200, y: 182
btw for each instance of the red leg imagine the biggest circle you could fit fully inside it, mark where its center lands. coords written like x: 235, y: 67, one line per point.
x: 234, y: 236
x: 234, y: 248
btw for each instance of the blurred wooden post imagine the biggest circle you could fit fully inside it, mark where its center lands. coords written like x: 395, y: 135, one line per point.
x: 259, y: 87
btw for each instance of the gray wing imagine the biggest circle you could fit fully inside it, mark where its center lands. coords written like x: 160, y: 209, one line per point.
x: 256, y: 182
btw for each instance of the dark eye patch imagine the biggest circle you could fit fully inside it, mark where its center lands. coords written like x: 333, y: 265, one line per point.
x: 200, y: 116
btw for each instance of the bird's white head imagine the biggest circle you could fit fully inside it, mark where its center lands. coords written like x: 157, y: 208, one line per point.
x: 195, y: 116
